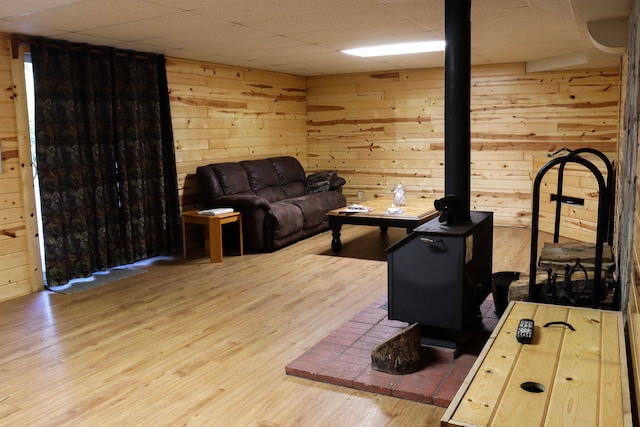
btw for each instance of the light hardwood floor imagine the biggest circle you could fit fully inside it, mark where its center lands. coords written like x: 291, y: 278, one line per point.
x: 195, y: 343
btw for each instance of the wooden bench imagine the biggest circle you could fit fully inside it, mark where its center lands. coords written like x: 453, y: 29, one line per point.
x: 564, y: 377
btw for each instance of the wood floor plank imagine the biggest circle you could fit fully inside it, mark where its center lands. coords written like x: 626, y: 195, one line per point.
x: 195, y: 343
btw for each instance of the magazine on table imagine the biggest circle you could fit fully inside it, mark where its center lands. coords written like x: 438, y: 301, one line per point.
x: 215, y: 211
x: 355, y: 208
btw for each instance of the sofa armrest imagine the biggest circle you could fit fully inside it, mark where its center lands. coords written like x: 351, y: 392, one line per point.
x: 242, y: 201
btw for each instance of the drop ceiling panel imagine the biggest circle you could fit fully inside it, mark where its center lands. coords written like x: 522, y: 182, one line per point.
x: 174, y: 23
x: 357, y: 35
x: 208, y: 39
x: 249, y: 11
x: 416, y: 9
x: 13, y: 8
x: 93, y: 14
x: 373, y: 16
x: 305, y: 36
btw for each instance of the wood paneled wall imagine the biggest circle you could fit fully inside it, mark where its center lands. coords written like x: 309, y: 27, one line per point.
x: 383, y: 129
x: 377, y: 130
x: 20, y: 271
x: 628, y: 227
x: 225, y: 113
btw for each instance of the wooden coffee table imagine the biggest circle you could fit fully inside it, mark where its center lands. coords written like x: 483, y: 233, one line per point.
x: 416, y: 212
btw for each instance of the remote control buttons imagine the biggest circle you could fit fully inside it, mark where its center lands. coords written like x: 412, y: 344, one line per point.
x: 524, y: 333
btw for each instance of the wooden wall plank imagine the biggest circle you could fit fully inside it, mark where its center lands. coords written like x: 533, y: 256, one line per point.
x: 223, y: 113
x: 15, y: 263
x: 383, y: 129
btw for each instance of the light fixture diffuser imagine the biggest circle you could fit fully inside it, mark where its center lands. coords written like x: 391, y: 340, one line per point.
x: 397, y: 49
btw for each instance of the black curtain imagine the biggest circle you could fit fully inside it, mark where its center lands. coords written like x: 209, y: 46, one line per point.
x: 105, y: 158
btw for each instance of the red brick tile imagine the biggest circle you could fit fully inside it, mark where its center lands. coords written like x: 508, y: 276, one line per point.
x: 339, y: 376
x: 369, y: 318
x: 355, y: 327
x: 412, y: 393
x: 394, y: 323
x: 380, y: 301
x: 343, y: 341
x: 445, y: 395
x: 379, y: 334
x: 352, y: 360
x: 311, y: 359
x: 326, y: 346
x: 359, y: 351
x: 385, y: 330
x: 441, y: 354
x: 449, y: 387
x: 463, y: 365
x: 344, y: 335
x: 302, y: 368
x: 375, y: 382
x: 365, y: 344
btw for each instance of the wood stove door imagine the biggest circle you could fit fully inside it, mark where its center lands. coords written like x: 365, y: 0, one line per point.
x: 425, y: 284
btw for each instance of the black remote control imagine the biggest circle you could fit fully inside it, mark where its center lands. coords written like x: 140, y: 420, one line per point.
x: 524, y: 334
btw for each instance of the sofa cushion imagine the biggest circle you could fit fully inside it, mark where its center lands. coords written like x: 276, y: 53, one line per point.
x: 313, y: 211
x: 263, y: 179
x: 233, y: 178
x: 293, y: 189
x: 209, y: 184
x: 284, y: 219
x: 290, y: 175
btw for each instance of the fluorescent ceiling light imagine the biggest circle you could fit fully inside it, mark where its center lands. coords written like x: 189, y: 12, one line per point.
x: 397, y: 49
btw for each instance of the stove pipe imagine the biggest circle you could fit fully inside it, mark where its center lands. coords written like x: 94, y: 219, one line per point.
x: 455, y: 206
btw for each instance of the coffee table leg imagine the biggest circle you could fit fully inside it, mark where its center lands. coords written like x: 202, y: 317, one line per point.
x: 336, y: 244
x: 384, y: 228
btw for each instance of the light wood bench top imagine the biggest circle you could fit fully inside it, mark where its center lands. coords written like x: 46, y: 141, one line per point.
x: 583, y: 373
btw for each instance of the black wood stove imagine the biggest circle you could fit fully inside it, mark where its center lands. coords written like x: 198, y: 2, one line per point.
x: 441, y: 273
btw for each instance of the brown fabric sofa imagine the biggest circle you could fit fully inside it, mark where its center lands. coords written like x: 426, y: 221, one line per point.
x: 279, y: 203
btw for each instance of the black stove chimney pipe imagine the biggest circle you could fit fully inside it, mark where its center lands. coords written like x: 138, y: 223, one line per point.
x: 457, y: 105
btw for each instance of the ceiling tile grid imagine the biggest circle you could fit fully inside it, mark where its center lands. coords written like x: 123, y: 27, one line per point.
x: 305, y: 37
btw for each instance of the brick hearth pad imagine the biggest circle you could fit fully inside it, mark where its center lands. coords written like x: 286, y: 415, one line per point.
x: 344, y: 358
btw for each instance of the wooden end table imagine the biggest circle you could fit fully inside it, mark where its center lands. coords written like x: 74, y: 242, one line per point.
x: 214, y: 222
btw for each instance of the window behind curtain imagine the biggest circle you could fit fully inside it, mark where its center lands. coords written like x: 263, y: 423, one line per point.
x: 105, y: 156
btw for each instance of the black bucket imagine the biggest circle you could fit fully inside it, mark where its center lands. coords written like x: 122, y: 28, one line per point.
x: 500, y: 288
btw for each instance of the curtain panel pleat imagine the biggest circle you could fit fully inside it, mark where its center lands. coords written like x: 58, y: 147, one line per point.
x: 105, y: 158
